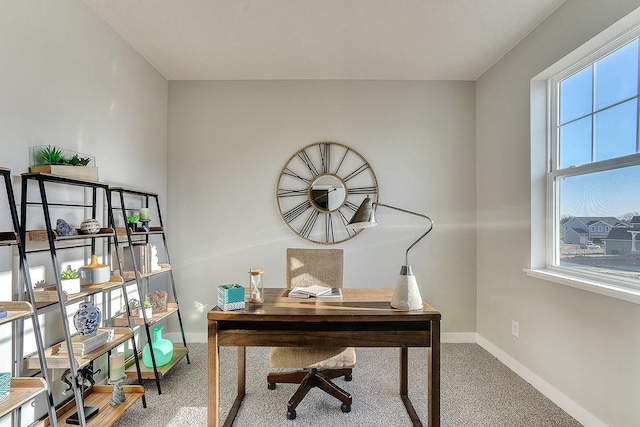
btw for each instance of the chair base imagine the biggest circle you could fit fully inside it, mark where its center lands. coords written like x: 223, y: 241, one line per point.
x: 308, y: 380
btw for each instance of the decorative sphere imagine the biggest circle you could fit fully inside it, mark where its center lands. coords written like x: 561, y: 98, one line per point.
x: 90, y: 226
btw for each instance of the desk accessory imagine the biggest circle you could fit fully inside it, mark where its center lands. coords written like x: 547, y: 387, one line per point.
x: 406, y: 295
x: 256, y: 286
x: 230, y: 297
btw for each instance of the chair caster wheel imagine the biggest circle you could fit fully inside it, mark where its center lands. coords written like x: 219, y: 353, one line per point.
x: 345, y: 408
x: 348, y: 377
x: 271, y: 386
x: 291, y: 415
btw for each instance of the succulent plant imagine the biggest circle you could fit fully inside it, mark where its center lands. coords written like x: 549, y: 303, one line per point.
x: 77, y: 161
x: 69, y: 273
x: 51, y: 155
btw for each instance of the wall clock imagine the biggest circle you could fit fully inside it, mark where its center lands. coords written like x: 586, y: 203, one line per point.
x: 321, y: 187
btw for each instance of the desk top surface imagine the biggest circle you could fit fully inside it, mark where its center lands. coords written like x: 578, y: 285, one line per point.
x: 356, y: 304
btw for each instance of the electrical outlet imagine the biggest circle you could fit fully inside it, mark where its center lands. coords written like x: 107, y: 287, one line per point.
x: 515, y: 329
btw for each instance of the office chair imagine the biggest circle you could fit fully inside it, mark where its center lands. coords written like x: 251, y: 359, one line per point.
x: 306, y: 267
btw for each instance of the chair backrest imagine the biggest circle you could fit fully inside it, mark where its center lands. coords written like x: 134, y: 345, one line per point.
x: 306, y: 267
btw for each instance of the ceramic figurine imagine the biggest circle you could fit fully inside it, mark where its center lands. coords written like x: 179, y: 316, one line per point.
x: 63, y: 228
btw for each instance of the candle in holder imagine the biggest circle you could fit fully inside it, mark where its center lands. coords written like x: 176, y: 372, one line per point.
x: 143, y: 214
x: 116, y: 366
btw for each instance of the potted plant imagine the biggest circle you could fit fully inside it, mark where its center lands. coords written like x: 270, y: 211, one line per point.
x: 131, y: 221
x: 70, y: 280
x: 148, y: 310
x: 60, y: 161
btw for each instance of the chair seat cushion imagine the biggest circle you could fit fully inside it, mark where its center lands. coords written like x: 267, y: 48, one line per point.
x: 313, y: 357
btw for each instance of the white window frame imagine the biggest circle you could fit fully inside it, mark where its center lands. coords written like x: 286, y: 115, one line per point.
x: 544, y: 221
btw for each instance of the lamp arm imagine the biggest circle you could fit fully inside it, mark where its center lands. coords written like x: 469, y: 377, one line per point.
x: 412, y: 213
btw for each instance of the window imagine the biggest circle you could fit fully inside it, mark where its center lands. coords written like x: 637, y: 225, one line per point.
x: 593, y: 177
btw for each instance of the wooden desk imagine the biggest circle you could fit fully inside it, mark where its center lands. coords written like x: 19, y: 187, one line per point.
x: 363, y: 318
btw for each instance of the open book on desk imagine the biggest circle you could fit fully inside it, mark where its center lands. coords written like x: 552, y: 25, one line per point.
x: 315, y: 291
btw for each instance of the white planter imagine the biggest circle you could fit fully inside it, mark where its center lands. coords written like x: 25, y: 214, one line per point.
x: 71, y: 286
x: 147, y: 311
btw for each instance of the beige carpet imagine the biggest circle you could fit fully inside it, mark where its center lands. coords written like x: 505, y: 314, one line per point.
x: 477, y: 390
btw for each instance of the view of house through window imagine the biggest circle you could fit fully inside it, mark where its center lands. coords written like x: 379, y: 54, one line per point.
x: 595, y: 166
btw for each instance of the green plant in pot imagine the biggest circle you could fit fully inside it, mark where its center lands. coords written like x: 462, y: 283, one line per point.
x: 70, y: 280
x: 148, y: 311
x: 51, y: 155
x: 131, y: 221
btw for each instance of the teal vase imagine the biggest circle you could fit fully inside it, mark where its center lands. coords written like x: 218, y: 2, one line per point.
x: 162, y: 349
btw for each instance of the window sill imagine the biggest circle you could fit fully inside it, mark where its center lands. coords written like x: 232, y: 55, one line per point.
x: 591, y: 285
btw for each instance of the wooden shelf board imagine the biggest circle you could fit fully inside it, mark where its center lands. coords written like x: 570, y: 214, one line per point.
x: 148, y: 374
x: 15, y: 310
x: 157, y: 316
x: 22, y: 390
x: 8, y: 238
x: 129, y: 275
x: 152, y: 230
x: 41, y: 235
x: 50, y: 294
x: 56, y: 360
x: 100, y: 397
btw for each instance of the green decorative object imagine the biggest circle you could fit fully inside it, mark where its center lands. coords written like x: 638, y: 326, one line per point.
x: 5, y: 385
x: 162, y: 349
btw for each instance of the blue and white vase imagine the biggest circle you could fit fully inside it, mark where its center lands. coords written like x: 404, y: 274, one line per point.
x: 87, y: 319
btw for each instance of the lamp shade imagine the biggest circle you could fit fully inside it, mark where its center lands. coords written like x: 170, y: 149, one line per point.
x: 364, y: 217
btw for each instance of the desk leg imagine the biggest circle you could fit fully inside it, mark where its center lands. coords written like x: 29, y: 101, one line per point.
x: 242, y: 369
x: 213, y: 404
x: 434, y: 376
x: 404, y: 387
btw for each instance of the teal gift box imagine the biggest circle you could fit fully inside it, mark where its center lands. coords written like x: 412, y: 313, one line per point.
x: 5, y: 385
x: 230, y: 297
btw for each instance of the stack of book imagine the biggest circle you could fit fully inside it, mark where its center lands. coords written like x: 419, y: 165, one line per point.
x: 141, y: 252
x: 317, y: 291
x: 83, y: 344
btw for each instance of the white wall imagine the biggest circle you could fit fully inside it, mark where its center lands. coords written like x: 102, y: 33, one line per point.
x: 228, y: 142
x: 585, y: 346
x: 68, y: 79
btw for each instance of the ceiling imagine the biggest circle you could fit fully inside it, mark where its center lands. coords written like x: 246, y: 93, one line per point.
x: 323, y: 39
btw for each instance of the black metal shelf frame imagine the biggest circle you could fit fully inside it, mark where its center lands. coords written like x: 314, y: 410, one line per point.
x: 42, y: 180
x: 132, y: 237
x: 26, y: 280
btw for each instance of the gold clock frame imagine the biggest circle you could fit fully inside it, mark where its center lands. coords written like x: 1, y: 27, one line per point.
x: 319, y: 189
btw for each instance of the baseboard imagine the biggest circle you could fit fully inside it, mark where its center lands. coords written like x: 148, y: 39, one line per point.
x: 562, y: 400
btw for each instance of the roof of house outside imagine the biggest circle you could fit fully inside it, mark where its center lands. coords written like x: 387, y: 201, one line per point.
x: 606, y: 219
x: 619, y: 234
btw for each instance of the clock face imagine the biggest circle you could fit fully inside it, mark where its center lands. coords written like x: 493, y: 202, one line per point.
x: 321, y: 187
